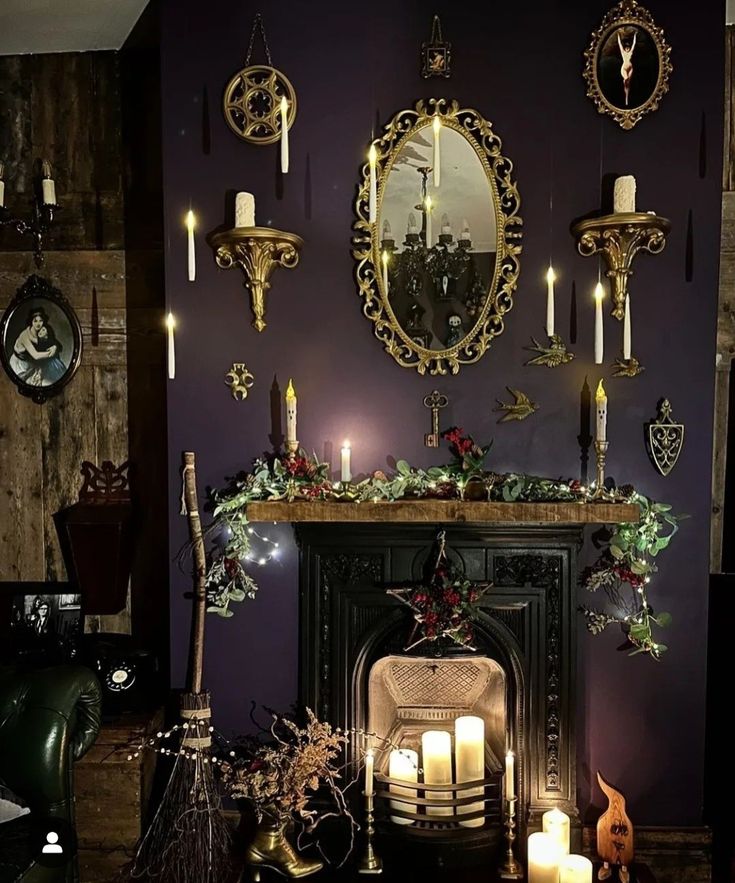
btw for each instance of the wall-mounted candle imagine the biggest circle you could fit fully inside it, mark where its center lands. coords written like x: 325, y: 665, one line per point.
x: 469, y: 755
x: 2, y: 185
x: 373, y: 203
x: 446, y: 226
x: 509, y: 782
x: 601, y: 421
x: 244, y: 209
x: 437, y: 160
x: 543, y: 858
x: 428, y: 206
x: 345, y: 464
x: 465, y: 234
x: 626, y: 329
x: 284, y: 135
x: 369, y: 772
x: 403, y: 764
x: 575, y: 869
x: 385, y: 257
x: 436, y: 749
x: 624, y: 194
x: 170, y: 326
x: 48, y: 188
x: 550, y: 279
x: 291, y: 413
x: 599, y: 337
x: 191, y: 259
x: 556, y: 823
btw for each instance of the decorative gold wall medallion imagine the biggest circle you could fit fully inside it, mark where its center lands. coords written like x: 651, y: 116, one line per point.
x: 436, y: 54
x: 521, y: 408
x: 627, y: 64
x: 439, y: 307
x: 627, y: 367
x: 664, y: 439
x: 435, y: 401
x: 252, y: 98
x: 239, y: 379
x: 551, y: 356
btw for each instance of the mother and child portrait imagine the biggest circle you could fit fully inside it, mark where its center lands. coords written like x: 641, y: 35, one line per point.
x: 39, y: 351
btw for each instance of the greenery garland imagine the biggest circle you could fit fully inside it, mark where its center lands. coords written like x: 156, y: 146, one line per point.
x: 623, y: 570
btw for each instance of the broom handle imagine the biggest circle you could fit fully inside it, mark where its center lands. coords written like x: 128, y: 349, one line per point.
x: 196, y: 647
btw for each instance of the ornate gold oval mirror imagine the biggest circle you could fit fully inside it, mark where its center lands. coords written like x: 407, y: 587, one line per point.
x: 438, y: 256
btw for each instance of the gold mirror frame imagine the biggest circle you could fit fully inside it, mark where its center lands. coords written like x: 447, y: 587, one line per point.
x: 366, y: 247
x: 627, y: 12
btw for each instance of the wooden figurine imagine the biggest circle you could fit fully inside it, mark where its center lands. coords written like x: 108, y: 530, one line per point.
x: 614, y: 835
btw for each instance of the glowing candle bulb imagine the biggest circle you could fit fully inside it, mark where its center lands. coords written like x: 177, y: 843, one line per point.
x: 291, y: 412
x: 601, y: 422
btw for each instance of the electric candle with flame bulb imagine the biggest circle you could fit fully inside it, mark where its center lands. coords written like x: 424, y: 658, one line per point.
x: 170, y: 326
x: 509, y: 782
x: 550, y: 279
x: 428, y: 206
x: 544, y: 857
x: 599, y: 338
x: 436, y: 749
x: 369, y: 773
x: 627, y: 330
x: 403, y: 764
x: 284, y: 135
x: 345, y: 455
x: 190, y: 252
x: 437, y: 161
x: 373, y: 203
x: 385, y: 258
x: 575, y: 869
x: 556, y: 823
x: 48, y: 188
x: 291, y: 413
x: 469, y: 754
x: 601, y: 422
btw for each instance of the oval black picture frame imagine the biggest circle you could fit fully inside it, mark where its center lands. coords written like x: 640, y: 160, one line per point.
x: 32, y: 294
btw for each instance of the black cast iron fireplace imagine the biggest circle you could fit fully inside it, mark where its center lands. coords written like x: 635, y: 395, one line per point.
x: 356, y: 674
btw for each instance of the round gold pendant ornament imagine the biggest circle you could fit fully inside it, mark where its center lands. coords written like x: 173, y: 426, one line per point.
x: 253, y: 98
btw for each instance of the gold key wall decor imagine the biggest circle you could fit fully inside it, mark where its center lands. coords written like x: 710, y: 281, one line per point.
x: 435, y: 401
x: 239, y: 379
x: 664, y: 439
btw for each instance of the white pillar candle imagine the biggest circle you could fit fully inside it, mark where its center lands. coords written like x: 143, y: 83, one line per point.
x: 385, y: 257
x: 244, y: 209
x: 509, y: 784
x: 428, y: 222
x: 373, y: 203
x: 369, y: 773
x: 556, y: 823
x: 346, y: 452
x: 550, y: 279
x: 469, y: 754
x: 291, y: 413
x: 599, y: 337
x: 190, y: 252
x: 624, y: 194
x: 543, y: 859
x: 284, y: 135
x: 170, y: 325
x: 403, y: 764
x: 601, y: 422
x: 437, y: 161
x: 436, y: 749
x: 575, y: 869
x: 626, y: 329
x: 48, y: 188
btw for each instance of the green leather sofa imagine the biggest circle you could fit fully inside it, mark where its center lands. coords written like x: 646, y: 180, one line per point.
x: 48, y: 719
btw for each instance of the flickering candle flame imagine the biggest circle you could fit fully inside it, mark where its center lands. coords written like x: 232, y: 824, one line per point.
x: 284, y: 135
x: 373, y: 204
x: 436, y: 162
x: 345, y: 462
x: 291, y: 412
x: 190, y: 251
x: 550, y: 279
x: 170, y: 326
x: 428, y: 205
x: 385, y: 258
x: 627, y: 330
x: 601, y: 422
x: 599, y: 339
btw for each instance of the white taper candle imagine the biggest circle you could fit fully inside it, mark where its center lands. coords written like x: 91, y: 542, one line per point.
x: 626, y: 330
x: 170, y: 326
x: 190, y: 250
x: 550, y: 279
x: 373, y: 198
x: 599, y: 337
x: 437, y: 160
x: 284, y: 135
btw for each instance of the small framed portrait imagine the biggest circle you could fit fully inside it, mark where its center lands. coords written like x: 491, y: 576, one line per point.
x: 436, y: 53
x: 42, y: 622
x: 40, y: 340
x: 627, y: 64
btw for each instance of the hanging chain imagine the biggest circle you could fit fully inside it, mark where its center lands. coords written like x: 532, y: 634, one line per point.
x: 258, y: 25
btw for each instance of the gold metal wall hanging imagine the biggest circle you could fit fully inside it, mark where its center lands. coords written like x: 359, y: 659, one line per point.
x: 240, y: 380
x: 664, y: 439
x: 627, y: 367
x: 551, y: 356
x: 435, y: 402
x: 521, y: 408
x: 437, y: 300
x: 627, y: 64
x: 252, y: 98
x: 436, y: 53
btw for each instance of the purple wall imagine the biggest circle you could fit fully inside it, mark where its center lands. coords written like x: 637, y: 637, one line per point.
x: 640, y: 722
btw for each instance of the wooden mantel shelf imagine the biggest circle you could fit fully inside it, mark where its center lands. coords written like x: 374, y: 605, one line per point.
x: 445, y: 512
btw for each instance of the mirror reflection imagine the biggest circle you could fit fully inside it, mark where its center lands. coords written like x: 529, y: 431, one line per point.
x: 438, y: 239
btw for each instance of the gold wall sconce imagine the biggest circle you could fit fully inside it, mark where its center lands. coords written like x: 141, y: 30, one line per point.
x: 257, y: 251
x: 240, y: 380
x: 618, y: 238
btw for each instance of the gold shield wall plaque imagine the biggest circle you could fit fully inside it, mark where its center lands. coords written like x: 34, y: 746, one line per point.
x: 664, y: 439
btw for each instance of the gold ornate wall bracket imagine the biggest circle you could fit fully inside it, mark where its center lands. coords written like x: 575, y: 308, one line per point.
x: 240, y: 380
x: 257, y: 251
x: 619, y: 238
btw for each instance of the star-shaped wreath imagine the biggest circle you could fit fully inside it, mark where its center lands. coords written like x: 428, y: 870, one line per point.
x: 443, y: 607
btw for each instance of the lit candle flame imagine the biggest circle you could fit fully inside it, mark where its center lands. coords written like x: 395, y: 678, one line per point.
x: 599, y: 291
x: 372, y: 156
x: 170, y: 321
x: 190, y: 220
x: 550, y: 274
x: 600, y: 394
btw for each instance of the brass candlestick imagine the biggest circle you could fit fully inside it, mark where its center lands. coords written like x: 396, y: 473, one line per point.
x: 292, y: 448
x: 370, y: 863
x: 511, y: 868
x: 601, y: 492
